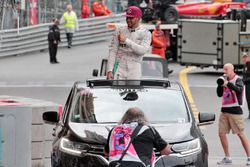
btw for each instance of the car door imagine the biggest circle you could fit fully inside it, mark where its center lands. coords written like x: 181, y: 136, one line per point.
x: 61, y: 127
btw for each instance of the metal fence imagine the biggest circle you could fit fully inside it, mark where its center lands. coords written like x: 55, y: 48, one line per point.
x: 34, y: 38
x: 18, y: 13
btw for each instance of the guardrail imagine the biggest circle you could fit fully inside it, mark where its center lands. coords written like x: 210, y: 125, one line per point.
x: 30, y: 39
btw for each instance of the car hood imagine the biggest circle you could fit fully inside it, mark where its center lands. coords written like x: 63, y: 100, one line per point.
x: 98, y: 133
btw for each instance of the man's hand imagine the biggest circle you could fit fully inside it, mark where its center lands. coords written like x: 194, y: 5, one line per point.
x: 225, y: 83
x: 166, y: 150
x: 109, y: 75
x: 121, y: 38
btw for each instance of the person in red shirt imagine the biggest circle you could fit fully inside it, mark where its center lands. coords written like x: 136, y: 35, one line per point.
x: 99, y: 9
x: 85, y: 9
x: 160, y: 42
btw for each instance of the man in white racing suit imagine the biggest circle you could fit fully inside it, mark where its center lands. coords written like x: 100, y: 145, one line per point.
x: 127, y: 47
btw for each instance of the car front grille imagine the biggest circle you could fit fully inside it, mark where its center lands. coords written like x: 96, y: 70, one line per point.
x: 96, y: 149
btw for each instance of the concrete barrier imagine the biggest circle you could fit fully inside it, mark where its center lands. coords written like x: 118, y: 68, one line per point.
x: 26, y: 140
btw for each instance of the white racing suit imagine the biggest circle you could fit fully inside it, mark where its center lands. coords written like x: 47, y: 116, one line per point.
x: 125, y: 59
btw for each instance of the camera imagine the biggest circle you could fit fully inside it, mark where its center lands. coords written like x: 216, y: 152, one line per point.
x: 221, y: 79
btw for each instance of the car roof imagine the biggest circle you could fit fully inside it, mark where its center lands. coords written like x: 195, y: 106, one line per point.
x: 152, y: 55
x: 162, y: 83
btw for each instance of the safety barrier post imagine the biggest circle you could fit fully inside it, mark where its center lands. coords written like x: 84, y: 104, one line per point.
x: 1, y: 140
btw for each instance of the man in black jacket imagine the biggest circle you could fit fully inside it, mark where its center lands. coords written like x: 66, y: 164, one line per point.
x: 246, y: 78
x: 231, y: 112
x: 54, y: 39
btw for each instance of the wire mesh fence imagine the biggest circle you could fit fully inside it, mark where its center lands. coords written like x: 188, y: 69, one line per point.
x: 22, y: 13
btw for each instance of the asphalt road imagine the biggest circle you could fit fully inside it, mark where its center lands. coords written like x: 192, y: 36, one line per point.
x: 33, y: 76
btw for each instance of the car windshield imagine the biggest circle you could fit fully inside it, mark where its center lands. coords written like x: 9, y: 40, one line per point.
x: 108, y: 105
x: 152, y: 68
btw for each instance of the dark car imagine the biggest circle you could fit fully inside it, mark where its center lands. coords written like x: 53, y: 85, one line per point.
x: 94, y: 107
x: 153, y: 66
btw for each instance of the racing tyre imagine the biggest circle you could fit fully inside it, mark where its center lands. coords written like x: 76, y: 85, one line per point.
x: 147, y: 14
x: 171, y: 15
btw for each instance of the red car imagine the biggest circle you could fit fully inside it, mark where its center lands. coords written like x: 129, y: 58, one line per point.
x: 169, y: 12
x: 208, y: 9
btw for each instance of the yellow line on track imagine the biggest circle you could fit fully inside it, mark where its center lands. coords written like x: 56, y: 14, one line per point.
x: 184, y: 83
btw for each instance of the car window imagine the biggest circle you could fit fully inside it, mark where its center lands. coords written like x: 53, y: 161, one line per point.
x: 109, y: 105
x: 152, y: 68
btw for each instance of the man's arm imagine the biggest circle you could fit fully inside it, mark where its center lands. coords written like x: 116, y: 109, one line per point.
x: 166, y: 150
x: 59, y: 35
x: 76, y: 21
x: 143, y: 47
x: 247, y: 79
x: 165, y: 41
x: 161, y: 145
x: 238, y: 87
x: 248, y: 66
x: 247, y: 73
x: 62, y: 21
x: 113, y: 48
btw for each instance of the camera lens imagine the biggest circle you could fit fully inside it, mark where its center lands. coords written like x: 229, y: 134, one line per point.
x: 220, y: 81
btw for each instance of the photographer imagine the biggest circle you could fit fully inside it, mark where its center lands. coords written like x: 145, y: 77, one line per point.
x: 231, y: 91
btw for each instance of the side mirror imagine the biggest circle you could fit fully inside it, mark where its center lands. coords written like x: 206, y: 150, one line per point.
x: 206, y: 119
x: 95, y: 73
x: 51, y: 117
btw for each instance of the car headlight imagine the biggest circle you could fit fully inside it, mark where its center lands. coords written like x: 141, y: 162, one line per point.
x: 74, y: 148
x: 187, y: 147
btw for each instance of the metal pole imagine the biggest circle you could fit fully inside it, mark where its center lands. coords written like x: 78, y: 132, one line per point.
x: 45, y: 11
x: 38, y: 8
x: 3, y: 14
x: 1, y: 21
x: 28, y: 13
x: 1, y: 141
x: 18, y: 25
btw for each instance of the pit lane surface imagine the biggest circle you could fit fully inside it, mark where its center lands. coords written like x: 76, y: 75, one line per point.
x: 33, y: 76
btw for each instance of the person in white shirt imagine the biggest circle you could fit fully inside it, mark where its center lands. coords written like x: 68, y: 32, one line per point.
x: 128, y: 45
